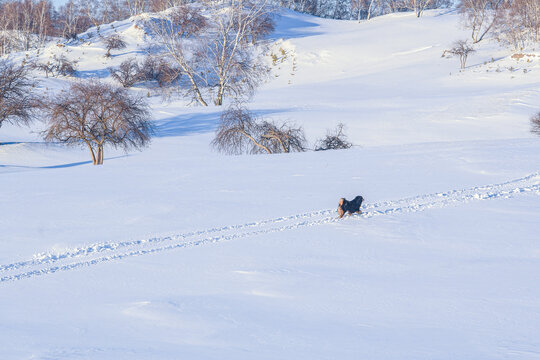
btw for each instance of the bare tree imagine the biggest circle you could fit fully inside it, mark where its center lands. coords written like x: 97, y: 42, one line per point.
x: 334, y: 140
x: 136, y: 7
x: 419, y: 6
x: 172, y: 29
x: 114, y: 42
x: 518, y: 23
x: 462, y: 49
x: 128, y: 73
x: 237, y: 133
x: 72, y: 20
x: 97, y: 114
x: 234, y: 67
x: 160, y: 5
x: 17, y: 100
x: 535, y: 124
x: 222, y: 58
x: 104, y: 11
x: 480, y: 16
x: 25, y: 24
x: 364, y: 8
x: 240, y: 132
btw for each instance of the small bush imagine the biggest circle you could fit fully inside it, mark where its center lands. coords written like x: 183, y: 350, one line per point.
x: 334, y: 140
x: 535, y: 123
x: 128, y: 73
x: 113, y: 42
x: 58, y: 66
x: 462, y: 49
x: 157, y: 69
x: 65, y: 67
x: 240, y: 132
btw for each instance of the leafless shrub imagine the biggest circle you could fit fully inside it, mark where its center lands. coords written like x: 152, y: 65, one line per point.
x: 47, y: 68
x: 334, y: 140
x: 128, y: 73
x: 97, y: 114
x: 17, y: 100
x: 157, y: 69
x: 261, y: 27
x: 535, y: 124
x: 187, y: 21
x: 237, y: 132
x: 168, y: 74
x: 462, y: 49
x: 64, y: 66
x: 282, y: 138
x: 114, y: 42
x: 58, y: 65
x: 150, y: 67
x: 240, y: 132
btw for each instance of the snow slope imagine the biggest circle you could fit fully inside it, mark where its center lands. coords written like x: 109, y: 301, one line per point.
x: 180, y: 252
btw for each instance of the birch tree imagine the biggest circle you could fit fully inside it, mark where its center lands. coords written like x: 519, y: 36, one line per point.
x: 480, y: 16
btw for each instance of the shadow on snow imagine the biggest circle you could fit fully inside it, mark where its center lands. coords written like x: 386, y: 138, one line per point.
x: 192, y: 124
x: 291, y: 25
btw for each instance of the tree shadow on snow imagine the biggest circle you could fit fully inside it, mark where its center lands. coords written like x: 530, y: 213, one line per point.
x: 291, y: 25
x: 183, y: 125
x: 60, y: 166
x: 92, y: 74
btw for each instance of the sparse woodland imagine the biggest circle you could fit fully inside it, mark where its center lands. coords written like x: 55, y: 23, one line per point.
x: 217, y: 53
x: 513, y: 22
x: 207, y: 52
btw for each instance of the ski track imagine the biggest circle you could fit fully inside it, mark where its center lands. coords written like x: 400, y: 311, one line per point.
x: 42, y: 264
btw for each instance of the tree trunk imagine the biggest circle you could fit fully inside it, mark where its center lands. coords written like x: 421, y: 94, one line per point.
x: 94, y: 160
x: 369, y: 10
x: 100, y: 155
x: 255, y: 142
x: 219, y: 96
x: 194, y: 85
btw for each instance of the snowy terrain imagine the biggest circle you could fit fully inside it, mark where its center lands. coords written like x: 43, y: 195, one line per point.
x: 178, y: 252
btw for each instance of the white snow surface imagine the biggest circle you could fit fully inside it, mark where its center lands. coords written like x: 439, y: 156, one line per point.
x: 178, y: 252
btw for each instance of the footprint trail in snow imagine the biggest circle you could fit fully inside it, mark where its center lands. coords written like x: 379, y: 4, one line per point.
x: 48, y: 263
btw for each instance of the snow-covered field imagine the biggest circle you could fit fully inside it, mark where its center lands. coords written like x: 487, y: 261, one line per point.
x: 178, y: 252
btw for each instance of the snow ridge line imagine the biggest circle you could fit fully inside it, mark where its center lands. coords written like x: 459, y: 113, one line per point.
x: 437, y: 200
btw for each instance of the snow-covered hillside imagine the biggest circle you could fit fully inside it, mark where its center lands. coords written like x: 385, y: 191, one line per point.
x: 180, y: 252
